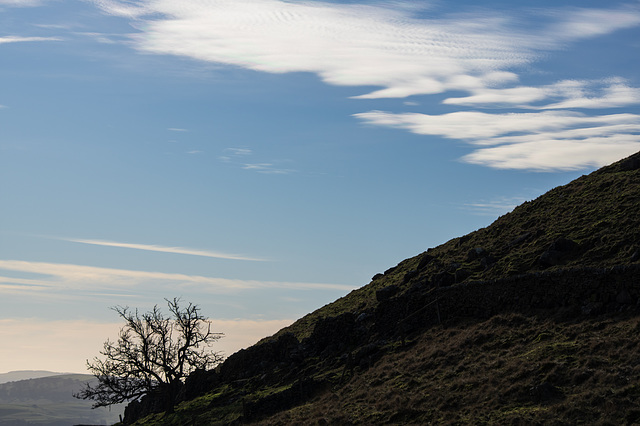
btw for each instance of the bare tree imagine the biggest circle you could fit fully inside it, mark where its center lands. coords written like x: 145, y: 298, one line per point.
x: 153, y: 354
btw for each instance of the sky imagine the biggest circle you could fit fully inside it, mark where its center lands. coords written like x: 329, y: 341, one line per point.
x: 262, y: 158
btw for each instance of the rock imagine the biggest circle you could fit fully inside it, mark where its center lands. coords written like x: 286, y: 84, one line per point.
x: 409, y: 275
x: 424, y: 261
x: 476, y: 253
x: 563, y: 245
x: 387, y: 293
x: 550, y: 258
x: 462, y: 274
x: 199, y: 383
x: 363, y: 317
x: 488, y: 261
x: 444, y: 279
x: 631, y: 163
x: 377, y: 276
x: 390, y: 270
x: 557, y: 252
x: 519, y: 240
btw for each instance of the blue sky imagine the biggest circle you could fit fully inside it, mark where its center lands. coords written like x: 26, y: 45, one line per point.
x: 262, y: 157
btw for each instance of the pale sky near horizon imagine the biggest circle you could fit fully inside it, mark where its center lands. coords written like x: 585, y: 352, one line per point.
x: 262, y: 158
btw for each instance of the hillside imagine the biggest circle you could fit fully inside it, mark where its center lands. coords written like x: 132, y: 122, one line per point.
x: 14, y: 376
x: 533, y: 319
x: 49, y: 401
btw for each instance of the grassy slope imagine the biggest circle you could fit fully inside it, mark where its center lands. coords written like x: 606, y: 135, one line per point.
x: 508, y: 369
x: 596, y: 211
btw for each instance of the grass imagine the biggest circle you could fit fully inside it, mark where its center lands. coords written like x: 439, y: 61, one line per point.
x: 542, y: 367
x: 510, y: 369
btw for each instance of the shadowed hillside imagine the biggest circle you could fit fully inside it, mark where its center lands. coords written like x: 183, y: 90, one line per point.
x: 533, y: 319
x: 14, y: 376
x: 49, y: 401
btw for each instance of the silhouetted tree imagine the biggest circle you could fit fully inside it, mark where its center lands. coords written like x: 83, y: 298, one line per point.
x: 153, y: 354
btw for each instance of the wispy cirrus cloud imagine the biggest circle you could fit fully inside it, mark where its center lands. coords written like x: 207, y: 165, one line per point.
x: 21, y: 3
x: 406, y: 50
x: 164, y: 249
x: 240, y: 156
x: 20, y: 39
x: 43, y: 279
x: 267, y: 168
x: 495, y: 207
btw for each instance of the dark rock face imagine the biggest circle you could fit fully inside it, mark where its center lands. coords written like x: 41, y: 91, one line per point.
x: 334, y: 335
x: 162, y: 399
x: 425, y: 260
x: 631, y: 163
x: 519, y: 240
x: 409, y: 276
x: 199, y: 383
x: 249, y: 362
x: 444, y: 279
x: 462, y: 274
x: 557, y: 252
x: 387, y: 292
x: 476, y: 253
x: 563, y: 245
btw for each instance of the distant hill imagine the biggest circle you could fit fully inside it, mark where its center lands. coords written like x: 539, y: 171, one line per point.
x: 49, y: 401
x: 534, y: 319
x: 13, y: 376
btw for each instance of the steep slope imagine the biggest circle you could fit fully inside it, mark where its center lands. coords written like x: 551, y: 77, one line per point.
x: 532, y: 318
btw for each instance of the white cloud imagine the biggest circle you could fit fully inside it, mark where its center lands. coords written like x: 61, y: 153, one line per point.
x: 385, y: 46
x: 552, y: 155
x: 480, y: 128
x: 575, y: 24
x: 164, y: 249
x: 18, y: 39
x: 544, y: 141
x: 58, y: 278
x: 401, y: 53
x: 610, y: 93
x: 176, y: 129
